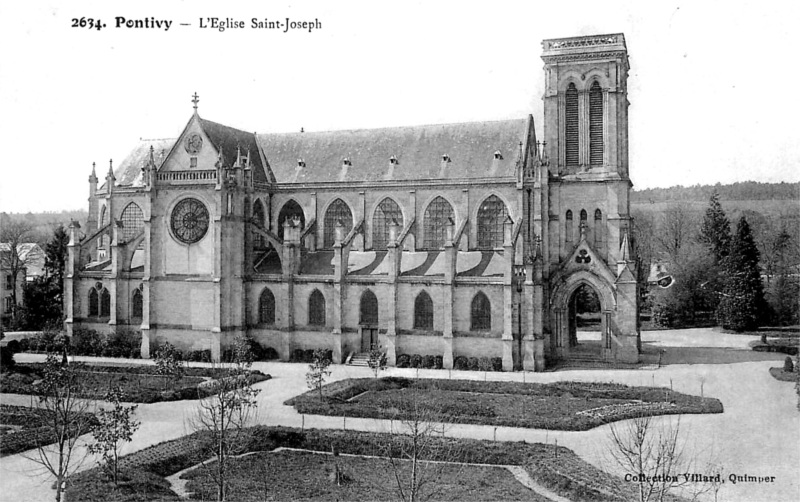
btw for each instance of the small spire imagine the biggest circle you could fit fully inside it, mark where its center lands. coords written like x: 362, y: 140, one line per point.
x: 195, y: 100
x: 625, y: 248
x: 111, y: 167
x: 93, y: 169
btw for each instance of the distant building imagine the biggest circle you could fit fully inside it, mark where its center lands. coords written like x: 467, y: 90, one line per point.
x: 450, y: 240
x: 32, y: 255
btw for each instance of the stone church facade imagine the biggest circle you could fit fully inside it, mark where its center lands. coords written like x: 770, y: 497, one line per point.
x: 446, y: 240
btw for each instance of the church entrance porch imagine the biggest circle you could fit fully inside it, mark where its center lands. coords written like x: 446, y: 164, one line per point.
x: 585, y: 324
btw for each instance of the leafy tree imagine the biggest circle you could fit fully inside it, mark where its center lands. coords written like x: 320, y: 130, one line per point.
x: 17, y: 253
x: 225, y: 414
x: 55, y: 255
x: 377, y: 360
x: 168, y: 362
x: 42, y: 305
x: 784, y: 291
x: 318, y: 371
x: 742, y: 304
x: 715, y: 231
x: 65, y: 416
x: 115, y: 427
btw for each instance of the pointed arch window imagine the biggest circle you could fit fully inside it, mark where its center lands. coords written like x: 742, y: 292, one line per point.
x: 94, y: 303
x: 436, y: 216
x: 266, y: 307
x: 595, y: 125
x: 132, y: 222
x: 137, y: 304
x: 259, y: 218
x: 598, y: 228
x: 386, y: 212
x: 316, y: 309
x: 568, y: 226
x: 105, y: 303
x: 423, y: 311
x: 369, y: 309
x: 337, y: 211
x: 571, y: 126
x: 491, y: 217
x: 481, y: 318
x: 290, y: 211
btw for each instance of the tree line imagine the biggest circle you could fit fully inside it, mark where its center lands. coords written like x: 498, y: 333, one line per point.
x: 747, y: 190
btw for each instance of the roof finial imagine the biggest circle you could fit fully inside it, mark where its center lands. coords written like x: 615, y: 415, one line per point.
x: 195, y: 100
x: 111, y: 167
x: 93, y: 171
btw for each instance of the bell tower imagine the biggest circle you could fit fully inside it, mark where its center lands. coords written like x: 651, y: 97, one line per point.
x: 586, y: 105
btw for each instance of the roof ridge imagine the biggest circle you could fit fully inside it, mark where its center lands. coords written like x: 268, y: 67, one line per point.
x: 396, y: 127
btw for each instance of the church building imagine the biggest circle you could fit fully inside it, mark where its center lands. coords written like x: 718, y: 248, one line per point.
x: 448, y: 240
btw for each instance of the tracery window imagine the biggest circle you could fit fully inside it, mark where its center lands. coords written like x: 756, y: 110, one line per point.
x: 571, y: 126
x: 105, y: 303
x: 259, y: 242
x: 386, y: 212
x: 316, y: 309
x: 290, y: 211
x: 94, y: 303
x: 595, y: 125
x: 491, y: 216
x: 423, y: 311
x: 137, y: 304
x: 481, y: 313
x: 189, y: 221
x: 132, y: 221
x: 266, y: 307
x: 337, y: 211
x: 436, y: 218
x: 369, y: 309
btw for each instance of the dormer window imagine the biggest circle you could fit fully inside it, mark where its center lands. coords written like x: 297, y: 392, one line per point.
x: 301, y: 163
x: 498, y: 155
x: 192, y: 161
x: 393, y: 160
x: 346, y: 162
x: 445, y: 158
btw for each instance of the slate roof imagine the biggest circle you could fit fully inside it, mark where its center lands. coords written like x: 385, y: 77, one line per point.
x: 227, y: 139
x: 128, y: 173
x: 418, y: 149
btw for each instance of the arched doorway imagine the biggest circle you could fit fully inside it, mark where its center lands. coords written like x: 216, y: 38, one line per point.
x: 584, y: 322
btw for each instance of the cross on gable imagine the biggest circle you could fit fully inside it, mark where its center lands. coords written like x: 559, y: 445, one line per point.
x: 195, y: 100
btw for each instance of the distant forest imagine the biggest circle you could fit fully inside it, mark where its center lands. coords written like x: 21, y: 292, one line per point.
x: 748, y: 190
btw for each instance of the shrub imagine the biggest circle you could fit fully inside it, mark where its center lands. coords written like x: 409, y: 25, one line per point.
x: 788, y: 365
x: 270, y: 354
x: 24, y: 345
x: 6, y: 359
x: 460, y: 363
x: 88, y: 342
x: 13, y: 346
x: 403, y: 361
x: 416, y: 361
x: 308, y: 356
x: 297, y: 355
x: 485, y: 364
x: 123, y: 341
x: 497, y: 363
x: 427, y: 362
x: 472, y: 364
x: 438, y: 362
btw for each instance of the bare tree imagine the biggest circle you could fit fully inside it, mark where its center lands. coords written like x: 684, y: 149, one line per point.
x: 225, y: 414
x: 17, y: 253
x: 115, y: 428
x: 418, y: 455
x: 65, y: 417
x: 318, y: 371
x: 675, y: 230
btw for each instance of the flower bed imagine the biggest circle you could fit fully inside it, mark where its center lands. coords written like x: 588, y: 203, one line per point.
x: 29, y: 428
x: 558, y: 406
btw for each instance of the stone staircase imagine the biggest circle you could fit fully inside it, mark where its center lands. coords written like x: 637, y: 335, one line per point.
x: 360, y: 359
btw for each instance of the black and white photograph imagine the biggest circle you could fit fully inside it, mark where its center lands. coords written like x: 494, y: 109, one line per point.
x: 399, y: 251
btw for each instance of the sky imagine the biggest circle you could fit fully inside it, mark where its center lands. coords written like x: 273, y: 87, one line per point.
x: 710, y: 83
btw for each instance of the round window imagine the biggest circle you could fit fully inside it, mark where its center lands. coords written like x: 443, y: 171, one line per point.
x: 189, y: 221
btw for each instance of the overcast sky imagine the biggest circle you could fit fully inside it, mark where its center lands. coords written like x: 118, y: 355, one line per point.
x: 711, y: 84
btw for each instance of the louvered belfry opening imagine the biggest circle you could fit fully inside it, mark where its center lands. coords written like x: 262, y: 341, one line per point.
x: 571, y: 125
x: 596, y: 125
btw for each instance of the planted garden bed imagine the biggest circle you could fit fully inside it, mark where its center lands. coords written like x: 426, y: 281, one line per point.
x: 557, y: 406
x: 22, y: 428
x: 554, y: 467
x: 140, y: 384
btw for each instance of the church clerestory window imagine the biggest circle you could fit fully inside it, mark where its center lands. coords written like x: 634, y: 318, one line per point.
x: 491, y: 216
x: 481, y: 313
x: 423, y: 311
x: 132, y: 222
x: 266, y: 307
x: 316, y: 309
x: 337, y: 211
x: 387, y: 212
x: 289, y: 212
x: 436, y: 218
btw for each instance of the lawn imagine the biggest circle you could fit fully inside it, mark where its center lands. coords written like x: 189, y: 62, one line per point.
x: 294, y: 475
x: 140, y: 384
x: 556, y: 406
x: 554, y: 467
x: 21, y: 428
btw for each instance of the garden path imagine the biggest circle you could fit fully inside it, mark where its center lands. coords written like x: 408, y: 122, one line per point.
x: 756, y: 435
